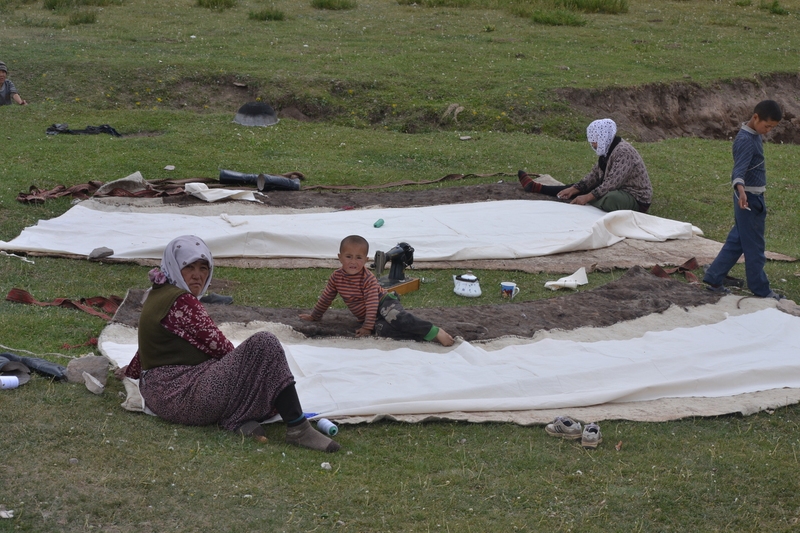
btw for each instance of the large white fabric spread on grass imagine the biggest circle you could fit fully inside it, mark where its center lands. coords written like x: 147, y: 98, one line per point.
x: 741, y: 354
x: 487, y: 230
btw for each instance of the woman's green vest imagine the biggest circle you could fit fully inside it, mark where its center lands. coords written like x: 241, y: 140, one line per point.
x: 157, y: 345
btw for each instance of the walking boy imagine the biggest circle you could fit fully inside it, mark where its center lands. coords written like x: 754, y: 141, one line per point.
x: 373, y: 305
x: 749, y: 181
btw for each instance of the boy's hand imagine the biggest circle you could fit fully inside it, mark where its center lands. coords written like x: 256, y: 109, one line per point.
x: 306, y: 316
x: 363, y: 332
x: 742, y: 197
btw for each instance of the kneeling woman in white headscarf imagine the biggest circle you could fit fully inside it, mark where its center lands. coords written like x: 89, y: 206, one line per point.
x: 617, y: 181
x: 189, y: 373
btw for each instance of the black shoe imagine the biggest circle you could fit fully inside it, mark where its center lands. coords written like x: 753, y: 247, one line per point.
x: 268, y: 182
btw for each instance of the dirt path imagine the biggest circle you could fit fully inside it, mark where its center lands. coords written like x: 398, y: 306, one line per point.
x: 636, y: 294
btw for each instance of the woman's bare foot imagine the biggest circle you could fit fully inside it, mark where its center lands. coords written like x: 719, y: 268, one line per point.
x: 444, y: 338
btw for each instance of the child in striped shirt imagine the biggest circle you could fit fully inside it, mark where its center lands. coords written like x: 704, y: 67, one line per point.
x: 378, y: 309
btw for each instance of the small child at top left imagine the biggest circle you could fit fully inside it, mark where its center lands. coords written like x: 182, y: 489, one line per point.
x: 8, y: 92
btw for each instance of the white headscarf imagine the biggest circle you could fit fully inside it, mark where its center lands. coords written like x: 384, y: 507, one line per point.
x: 182, y: 251
x: 601, y: 132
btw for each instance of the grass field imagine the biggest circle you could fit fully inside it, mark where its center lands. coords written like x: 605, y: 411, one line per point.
x: 375, y: 77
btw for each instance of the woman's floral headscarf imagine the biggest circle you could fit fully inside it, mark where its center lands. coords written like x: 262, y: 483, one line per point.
x: 180, y: 252
x: 601, y: 132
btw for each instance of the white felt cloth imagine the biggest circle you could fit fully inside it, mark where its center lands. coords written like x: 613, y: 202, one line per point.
x: 201, y: 191
x: 747, y: 353
x: 487, y: 230
x: 569, y: 282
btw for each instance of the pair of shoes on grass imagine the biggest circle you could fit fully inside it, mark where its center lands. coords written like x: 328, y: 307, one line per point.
x: 566, y: 428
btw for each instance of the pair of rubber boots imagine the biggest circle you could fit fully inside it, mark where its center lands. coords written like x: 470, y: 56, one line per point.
x: 264, y: 182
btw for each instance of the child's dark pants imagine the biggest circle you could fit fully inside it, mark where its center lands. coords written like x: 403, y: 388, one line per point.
x: 746, y: 237
x: 394, y: 321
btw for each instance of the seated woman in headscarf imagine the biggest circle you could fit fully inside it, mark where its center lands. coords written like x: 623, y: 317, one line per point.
x: 189, y: 373
x: 617, y: 181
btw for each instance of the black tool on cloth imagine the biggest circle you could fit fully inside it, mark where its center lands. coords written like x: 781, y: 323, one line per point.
x: 400, y: 257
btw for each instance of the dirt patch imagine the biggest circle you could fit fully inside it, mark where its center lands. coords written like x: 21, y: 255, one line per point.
x: 504, y: 189
x: 646, y: 113
x: 661, y: 111
x: 293, y: 113
x: 638, y: 293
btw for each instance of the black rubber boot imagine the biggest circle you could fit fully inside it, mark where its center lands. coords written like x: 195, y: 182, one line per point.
x: 231, y: 177
x: 268, y: 182
x: 214, y: 298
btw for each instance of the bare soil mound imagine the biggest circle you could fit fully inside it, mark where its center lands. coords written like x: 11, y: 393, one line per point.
x: 636, y: 294
x: 506, y: 189
x: 661, y: 111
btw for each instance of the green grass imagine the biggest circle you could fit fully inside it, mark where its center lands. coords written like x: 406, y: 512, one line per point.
x: 612, y: 7
x: 267, y: 14
x: 83, y: 17
x: 110, y: 470
x: 163, y: 73
x: 557, y: 18
x: 333, y: 5
x: 774, y: 7
x: 216, y: 4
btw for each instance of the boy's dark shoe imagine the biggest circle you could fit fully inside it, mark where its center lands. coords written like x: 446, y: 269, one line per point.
x: 719, y: 289
x: 729, y: 281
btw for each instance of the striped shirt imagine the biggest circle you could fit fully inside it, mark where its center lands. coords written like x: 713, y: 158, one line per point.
x: 748, y: 160
x: 361, y: 293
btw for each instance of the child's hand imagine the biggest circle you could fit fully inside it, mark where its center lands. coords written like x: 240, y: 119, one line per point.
x: 306, y: 316
x: 743, y: 201
x: 363, y: 332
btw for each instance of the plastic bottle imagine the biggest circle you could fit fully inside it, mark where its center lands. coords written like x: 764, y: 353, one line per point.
x: 12, y: 382
x: 378, y: 223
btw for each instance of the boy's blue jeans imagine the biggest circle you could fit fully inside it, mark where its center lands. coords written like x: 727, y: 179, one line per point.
x: 746, y: 237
